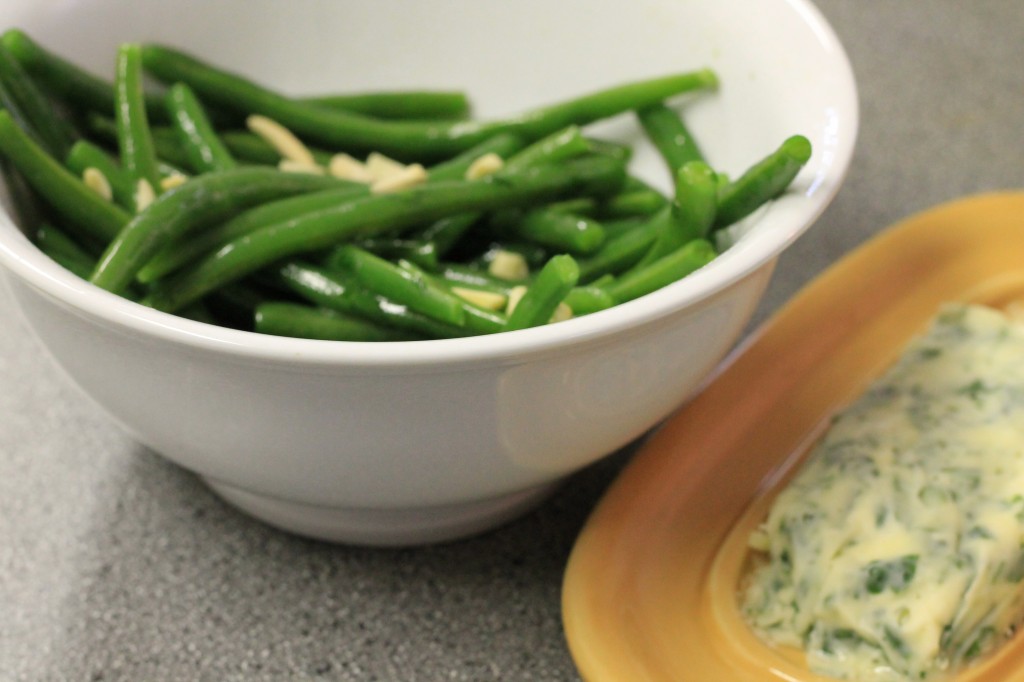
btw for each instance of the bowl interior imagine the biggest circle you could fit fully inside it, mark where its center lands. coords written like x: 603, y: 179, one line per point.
x: 782, y: 72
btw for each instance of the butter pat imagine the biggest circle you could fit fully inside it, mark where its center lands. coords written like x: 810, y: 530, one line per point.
x: 897, y: 552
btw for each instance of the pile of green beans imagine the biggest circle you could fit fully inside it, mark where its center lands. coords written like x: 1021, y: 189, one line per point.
x: 372, y: 216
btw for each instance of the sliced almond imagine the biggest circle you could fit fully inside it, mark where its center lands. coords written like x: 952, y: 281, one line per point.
x: 172, y: 181
x: 382, y: 167
x: 490, y: 300
x: 349, y: 168
x: 95, y: 180
x: 515, y: 295
x: 487, y: 164
x: 280, y: 138
x: 144, y: 195
x: 509, y: 265
x: 410, y: 176
x: 292, y: 166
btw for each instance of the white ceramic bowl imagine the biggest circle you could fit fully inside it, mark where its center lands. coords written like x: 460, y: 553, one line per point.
x: 425, y: 441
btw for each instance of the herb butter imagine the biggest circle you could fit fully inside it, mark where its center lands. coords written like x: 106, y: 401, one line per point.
x: 896, y: 552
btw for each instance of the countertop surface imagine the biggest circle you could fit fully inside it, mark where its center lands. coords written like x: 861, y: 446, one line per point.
x: 115, y: 565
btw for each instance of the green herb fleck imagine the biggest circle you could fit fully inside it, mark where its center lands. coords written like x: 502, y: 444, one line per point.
x: 895, y: 575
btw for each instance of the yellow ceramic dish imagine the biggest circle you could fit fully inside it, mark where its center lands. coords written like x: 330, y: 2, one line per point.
x: 650, y: 588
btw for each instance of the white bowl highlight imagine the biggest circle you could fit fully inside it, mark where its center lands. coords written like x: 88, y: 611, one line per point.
x: 416, y: 442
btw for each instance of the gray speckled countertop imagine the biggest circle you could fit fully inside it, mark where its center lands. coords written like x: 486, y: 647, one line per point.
x: 115, y: 565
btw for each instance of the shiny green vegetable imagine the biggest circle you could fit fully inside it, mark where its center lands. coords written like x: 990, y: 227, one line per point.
x: 54, y: 133
x: 552, y: 284
x: 403, y: 285
x: 561, y: 145
x: 59, y: 246
x: 405, y: 139
x: 205, y: 150
x: 556, y: 229
x: 620, y: 252
x: 561, y: 212
x: 670, y: 136
x: 379, y: 213
x: 76, y: 87
x: 412, y: 104
x: 302, y: 321
x: 338, y: 291
x: 504, y: 145
x: 61, y: 190
x: 189, y: 247
x: 764, y: 181
x: 685, y: 260
x: 198, y: 202
x: 134, y: 140
x: 691, y: 214
x: 587, y: 299
x: 84, y: 155
x: 637, y: 202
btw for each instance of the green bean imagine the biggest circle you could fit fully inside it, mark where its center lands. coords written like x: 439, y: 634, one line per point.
x: 77, y: 266
x: 62, y: 249
x: 76, y: 86
x: 65, y: 193
x: 696, y: 201
x: 478, y: 320
x: 9, y: 104
x: 254, y: 149
x: 669, y: 135
x: 561, y: 145
x: 243, y: 145
x: 620, y: 252
x: 557, y: 229
x: 29, y: 211
x: 64, y: 78
x: 179, y: 252
x: 85, y: 154
x: 584, y: 206
x: 641, y: 202
x: 461, y: 275
x: 383, y: 213
x: 455, y: 168
x: 414, y: 104
x: 555, y: 280
x: 200, y: 201
x: 54, y: 133
x: 337, y: 291
x: 692, y: 212
x: 422, y: 253
x: 447, y: 231
x: 694, y: 255
x: 52, y: 240
x: 402, y: 285
x: 584, y: 300
x: 200, y: 141
x: 619, y: 226
x: 165, y: 141
x: 135, y: 142
x: 302, y: 321
x: 622, y: 152
x: 764, y: 181
x: 405, y: 139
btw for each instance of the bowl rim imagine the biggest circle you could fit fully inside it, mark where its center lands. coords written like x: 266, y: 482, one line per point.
x: 773, y: 229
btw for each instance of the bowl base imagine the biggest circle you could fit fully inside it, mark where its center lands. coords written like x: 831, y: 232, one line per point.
x: 383, y: 527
